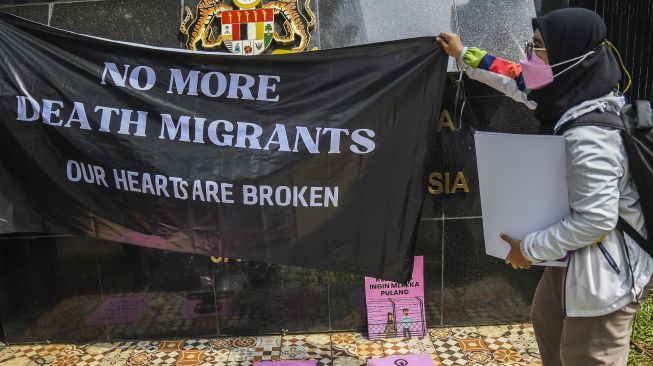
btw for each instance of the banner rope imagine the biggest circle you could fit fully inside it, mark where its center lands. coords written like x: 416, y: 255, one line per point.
x: 459, y: 83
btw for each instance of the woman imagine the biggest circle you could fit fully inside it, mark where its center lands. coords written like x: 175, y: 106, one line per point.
x: 582, y: 314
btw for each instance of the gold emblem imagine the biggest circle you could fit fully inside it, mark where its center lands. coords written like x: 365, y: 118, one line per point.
x: 247, y: 4
x: 249, y: 28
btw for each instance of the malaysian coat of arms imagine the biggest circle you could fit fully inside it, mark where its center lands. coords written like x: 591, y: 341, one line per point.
x: 248, y: 27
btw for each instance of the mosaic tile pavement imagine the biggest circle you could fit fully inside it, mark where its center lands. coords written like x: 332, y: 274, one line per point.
x: 473, y: 346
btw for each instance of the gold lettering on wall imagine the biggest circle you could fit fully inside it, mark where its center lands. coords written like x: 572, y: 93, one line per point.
x: 442, y: 183
x: 445, y: 121
x: 218, y: 260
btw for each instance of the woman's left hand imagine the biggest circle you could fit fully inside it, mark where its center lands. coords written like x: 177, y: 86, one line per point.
x: 451, y: 44
x: 515, y: 257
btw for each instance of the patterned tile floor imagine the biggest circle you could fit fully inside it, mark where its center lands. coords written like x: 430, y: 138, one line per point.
x: 473, y: 346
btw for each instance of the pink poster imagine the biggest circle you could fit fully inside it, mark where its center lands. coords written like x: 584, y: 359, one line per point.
x: 287, y: 363
x: 405, y: 360
x: 394, y: 309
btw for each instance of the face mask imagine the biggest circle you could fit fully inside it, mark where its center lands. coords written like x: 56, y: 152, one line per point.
x: 537, y: 74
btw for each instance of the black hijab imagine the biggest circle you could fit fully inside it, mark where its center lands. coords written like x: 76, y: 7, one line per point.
x: 569, y: 33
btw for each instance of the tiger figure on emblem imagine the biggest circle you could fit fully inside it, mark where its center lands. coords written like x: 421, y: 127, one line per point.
x: 248, y: 29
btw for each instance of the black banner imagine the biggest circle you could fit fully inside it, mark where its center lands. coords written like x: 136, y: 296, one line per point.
x: 316, y: 159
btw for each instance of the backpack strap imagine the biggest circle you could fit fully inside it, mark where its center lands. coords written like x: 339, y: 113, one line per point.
x: 643, y: 114
x: 634, y: 234
x: 599, y: 119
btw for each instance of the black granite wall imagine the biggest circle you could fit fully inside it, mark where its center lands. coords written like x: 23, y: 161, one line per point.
x: 629, y: 28
x: 52, y: 289
x: 628, y: 24
x: 545, y: 6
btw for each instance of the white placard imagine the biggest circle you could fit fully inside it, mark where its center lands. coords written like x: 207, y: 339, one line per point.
x: 523, y: 186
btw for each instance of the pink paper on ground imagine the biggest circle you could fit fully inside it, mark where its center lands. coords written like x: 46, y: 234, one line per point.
x: 405, y: 360
x: 287, y: 363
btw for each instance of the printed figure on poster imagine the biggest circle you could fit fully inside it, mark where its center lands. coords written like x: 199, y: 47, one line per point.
x: 395, y: 309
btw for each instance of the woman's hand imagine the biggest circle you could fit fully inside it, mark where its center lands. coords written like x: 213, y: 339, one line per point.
x: 515, y: 257
x: 451, y: 44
